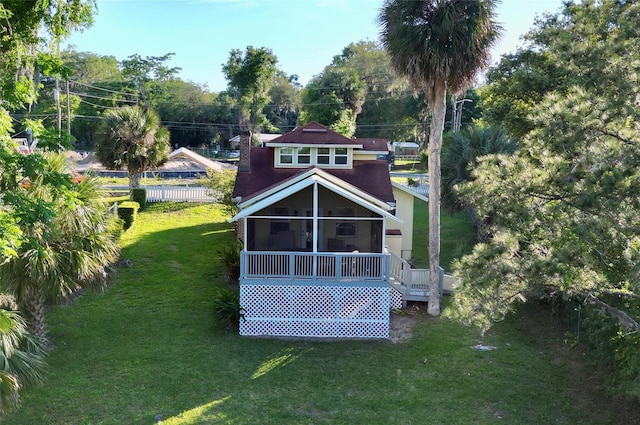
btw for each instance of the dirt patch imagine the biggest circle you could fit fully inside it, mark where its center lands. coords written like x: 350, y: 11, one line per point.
x: 401, y: 323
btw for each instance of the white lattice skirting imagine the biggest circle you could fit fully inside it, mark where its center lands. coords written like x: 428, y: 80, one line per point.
x: 396, y: 299
x: 346, y: 311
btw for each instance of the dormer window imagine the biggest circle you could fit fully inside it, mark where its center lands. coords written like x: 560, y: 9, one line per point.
x: 324, y: 156
x: 286, y: 156
x: 342, y: 156
x: 305, y: 156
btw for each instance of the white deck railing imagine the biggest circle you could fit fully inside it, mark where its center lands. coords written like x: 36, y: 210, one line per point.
x: 297, y: 266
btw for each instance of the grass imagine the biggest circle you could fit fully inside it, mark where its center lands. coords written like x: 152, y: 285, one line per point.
x: 148, y: 346
x: 457, y: 236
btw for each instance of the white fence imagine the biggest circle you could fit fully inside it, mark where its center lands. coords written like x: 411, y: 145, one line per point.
x: 172, y: 193
x: 180, y: 194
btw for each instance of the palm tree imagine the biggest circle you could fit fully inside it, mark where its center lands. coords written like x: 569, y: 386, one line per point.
x: 131, y: 137
x: 21, y: 355
x: 438, y: 45
x: 70, y: 250
x: 460, y: 151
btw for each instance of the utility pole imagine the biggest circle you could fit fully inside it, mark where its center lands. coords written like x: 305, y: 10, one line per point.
x: 56, y: 96
x: 456, y: 120
x: 68, y: 112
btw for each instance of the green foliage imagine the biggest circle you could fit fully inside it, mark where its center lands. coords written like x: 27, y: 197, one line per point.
x: 460, y: 153
x: 226, y: 306
x: 146, y: 75
x: 22, y: 356
x: 128, y: 212
x: 229, y: 260
x: 564, y: 209
x: 250, y: 75
x: 439, y: 46
x: 131, y: 137
x: 67, y: 241
x: 283, y: 109
x: 427, y: 42
x: 515, y: 85
x: 334, y: 98
x: 139, y: 195
x: 222, y: 183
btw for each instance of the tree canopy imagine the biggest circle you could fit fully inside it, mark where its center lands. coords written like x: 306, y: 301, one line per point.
x: 564, y: 210
x: 131, y: 137
x: 250, y: 75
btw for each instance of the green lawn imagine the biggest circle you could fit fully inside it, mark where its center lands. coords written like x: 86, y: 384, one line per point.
x: 457, y: 236
x: 147, y: 347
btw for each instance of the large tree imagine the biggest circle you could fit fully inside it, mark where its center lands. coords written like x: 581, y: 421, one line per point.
x: 438, y: 45
x: 564, y: 210
x: 334, y: 98
x: 131, y: 137
x: 251, y: 76
x: 69, y: 247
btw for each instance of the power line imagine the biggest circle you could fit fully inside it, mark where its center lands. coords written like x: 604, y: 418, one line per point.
x: 102, y: 98
x: 103, y: 89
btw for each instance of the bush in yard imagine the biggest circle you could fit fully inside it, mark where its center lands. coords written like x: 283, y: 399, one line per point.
x: 226, y: 306
x: 139, y: 195
x: 612, y: 342
x: 127, y: 211
x: 229, y: 259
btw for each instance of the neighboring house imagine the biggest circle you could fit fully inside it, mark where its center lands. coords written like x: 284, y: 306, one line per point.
x: 182, y: 163
x: 234, y: 142
x: 406, y: 148
x: 326, y: 235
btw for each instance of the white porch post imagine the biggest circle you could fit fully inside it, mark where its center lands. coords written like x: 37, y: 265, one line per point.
x: 315, y: 229
x: 384, y: 234
x: 315, y: 217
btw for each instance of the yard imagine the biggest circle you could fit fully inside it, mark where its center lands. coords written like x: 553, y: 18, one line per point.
x: 147, y: 347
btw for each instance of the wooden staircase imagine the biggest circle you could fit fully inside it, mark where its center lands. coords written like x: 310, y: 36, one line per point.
x: 412, y: 284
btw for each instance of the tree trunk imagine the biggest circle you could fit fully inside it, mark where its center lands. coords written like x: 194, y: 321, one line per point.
x: 438, y: 111
x: 34, y: 307
x: 134, y: 181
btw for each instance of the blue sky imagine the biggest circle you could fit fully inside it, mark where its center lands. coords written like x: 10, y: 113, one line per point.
x: 303, y: 34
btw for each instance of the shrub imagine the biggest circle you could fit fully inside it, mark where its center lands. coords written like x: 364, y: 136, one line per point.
x: 229, y: 259
x: 139, y: 195
x: 226, y: 306
x: 127, y: 211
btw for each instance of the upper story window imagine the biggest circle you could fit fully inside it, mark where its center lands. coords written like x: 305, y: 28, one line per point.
x: 324, y: 156
x: 304, y: 156
x: 307, y: 156
x: 341, y: 156
x: 286, y: 156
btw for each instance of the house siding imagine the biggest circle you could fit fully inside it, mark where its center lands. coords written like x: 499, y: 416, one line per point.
x: 404, y: 211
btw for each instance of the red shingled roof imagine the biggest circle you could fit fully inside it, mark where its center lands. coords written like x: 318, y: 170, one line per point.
x: 369, y: 176
x: 314, y: 134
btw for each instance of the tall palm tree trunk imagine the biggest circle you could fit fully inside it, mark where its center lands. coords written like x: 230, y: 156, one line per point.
x: 35, y: 309
x: 134, y: 180
x: 438, y: 106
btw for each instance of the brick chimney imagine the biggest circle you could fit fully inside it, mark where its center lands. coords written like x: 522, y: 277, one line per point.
x: 245, y: 151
